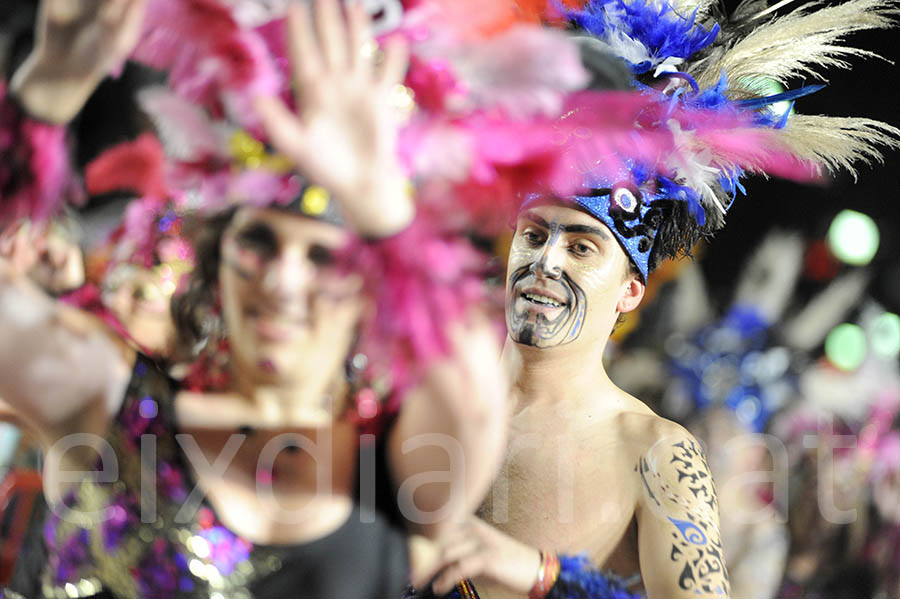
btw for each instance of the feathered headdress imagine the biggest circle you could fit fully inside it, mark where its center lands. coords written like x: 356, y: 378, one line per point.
x: 689, y: 55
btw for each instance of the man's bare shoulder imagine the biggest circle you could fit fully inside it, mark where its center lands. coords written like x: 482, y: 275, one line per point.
x: 663, y: 455
x: 648, y: 426
x: 642, y: 429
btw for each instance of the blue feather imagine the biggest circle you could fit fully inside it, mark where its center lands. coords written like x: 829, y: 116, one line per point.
x: 713, y: 98
x: 673, y: 191
x: 731, y: 184
x: 578, y: 579
x: 655, y: 25
x: 793, y: 94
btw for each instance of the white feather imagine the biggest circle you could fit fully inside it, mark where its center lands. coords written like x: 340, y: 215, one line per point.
x: 809, y: 327
x: 693, y: 166
x: 184, y: 129
x: 803, y: 43
x: 770, y: 275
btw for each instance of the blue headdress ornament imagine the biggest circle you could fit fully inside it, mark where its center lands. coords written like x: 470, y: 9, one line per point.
x: 631, y: 212
x: 680, y: 55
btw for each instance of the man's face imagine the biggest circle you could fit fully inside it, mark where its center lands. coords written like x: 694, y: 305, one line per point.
x: 566, y: 274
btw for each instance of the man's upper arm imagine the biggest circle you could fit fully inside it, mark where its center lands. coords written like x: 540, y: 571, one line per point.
x: 678, y: 523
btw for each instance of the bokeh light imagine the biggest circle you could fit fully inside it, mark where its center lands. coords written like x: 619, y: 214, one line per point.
x: 845, y: 346
x: 853, y: 237
x: 771, y: 87
x: 315, y: 200
x: 884, y: 335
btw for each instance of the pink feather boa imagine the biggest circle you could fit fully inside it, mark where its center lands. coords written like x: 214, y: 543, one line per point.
x: 35, y: 174
x: 421, y: 280
x: 211, y: 60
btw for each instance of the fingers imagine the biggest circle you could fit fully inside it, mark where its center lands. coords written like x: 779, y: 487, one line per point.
x: 332, y: 33
x: 449, y: 553
x: 460, y: 550
x: 459, y: 545
x: 396, y: 60
x: 306, y: 59
x: 468, y: 567
x: 127, y: 25
x: 423, y: 554
x: 358, y: 31
x: 284, y: 130
x: 323, y: 39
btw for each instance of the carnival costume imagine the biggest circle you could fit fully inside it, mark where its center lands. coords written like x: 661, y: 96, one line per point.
x: 184, y: 550
x: 421, y: 279
x: 501, y: 114
x: 729, y: 73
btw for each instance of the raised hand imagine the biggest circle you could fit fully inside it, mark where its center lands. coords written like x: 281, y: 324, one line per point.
x: 77, y: 44
x: 344, y: 134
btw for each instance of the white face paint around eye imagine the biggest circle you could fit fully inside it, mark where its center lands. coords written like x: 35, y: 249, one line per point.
x: 591, y: 276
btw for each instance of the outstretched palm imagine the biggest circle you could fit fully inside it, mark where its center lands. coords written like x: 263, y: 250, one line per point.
x: 76, y: 45
x: 89, y: 37
x: 344, y: 134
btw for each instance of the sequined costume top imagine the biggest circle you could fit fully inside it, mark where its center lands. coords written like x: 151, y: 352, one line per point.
x: 125, y: 553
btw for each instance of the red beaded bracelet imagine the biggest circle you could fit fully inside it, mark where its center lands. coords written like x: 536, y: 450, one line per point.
x: 547, y: 575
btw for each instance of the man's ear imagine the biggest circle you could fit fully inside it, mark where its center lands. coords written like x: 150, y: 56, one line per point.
x: 632, y: 294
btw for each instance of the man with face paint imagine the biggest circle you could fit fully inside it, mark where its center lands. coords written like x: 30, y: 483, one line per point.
x: 589, y: 470
x: 593, y: 481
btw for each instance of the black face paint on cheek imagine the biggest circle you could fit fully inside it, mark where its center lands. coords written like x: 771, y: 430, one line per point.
x: 532, y: 327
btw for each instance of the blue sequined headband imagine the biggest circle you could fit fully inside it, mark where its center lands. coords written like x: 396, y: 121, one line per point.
x: 625, y: 212
x: 633, y: 215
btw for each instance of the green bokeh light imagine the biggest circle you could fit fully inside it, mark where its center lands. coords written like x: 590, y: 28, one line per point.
x: 845, y: 346
x: 853, y: 238
x: 766, y: 86
x: 885, y: 335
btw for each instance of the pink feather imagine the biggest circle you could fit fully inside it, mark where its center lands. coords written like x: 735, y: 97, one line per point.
x: 36, y: 179
x: 421, y: 279
x: 210, y: 59
x: 138, y: 166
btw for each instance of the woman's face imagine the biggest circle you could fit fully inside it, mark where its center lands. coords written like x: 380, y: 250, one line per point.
x: 290, y: 315
x: 140, y: 300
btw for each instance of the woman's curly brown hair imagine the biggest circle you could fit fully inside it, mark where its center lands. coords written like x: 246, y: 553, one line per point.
x: 195, y: 310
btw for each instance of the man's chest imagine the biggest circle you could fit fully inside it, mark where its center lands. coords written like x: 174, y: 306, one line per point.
x: 569, y: 489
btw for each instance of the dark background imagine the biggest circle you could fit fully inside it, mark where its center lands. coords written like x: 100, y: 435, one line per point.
x: 869, y: 89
